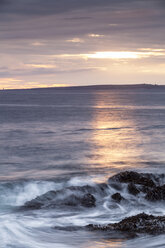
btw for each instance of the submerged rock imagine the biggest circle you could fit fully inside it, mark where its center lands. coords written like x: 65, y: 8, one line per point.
x: 88, y: 201
x: 156, y: 194
x: 141, y: 223
x: 133, y: 177
x: 132, y: 189
x: 117, y: 197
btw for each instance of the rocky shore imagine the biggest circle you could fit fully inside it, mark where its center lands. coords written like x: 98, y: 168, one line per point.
x: 141, y: 223
x: 149, y: 187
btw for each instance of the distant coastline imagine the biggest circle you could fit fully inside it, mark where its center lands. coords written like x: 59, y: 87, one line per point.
x: 97, y: 87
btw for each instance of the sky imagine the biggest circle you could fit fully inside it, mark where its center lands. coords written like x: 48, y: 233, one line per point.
x: 45, y: 43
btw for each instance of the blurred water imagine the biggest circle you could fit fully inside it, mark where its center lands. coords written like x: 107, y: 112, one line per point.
x: 53, y: 137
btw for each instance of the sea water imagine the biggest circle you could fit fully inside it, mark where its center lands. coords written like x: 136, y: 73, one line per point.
x: 54, y: 139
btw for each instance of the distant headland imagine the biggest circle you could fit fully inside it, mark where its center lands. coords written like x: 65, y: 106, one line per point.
x: 97, y: 87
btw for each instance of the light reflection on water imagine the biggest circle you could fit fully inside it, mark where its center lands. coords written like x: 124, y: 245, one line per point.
x: 115, y: 137
x: 114, y: 243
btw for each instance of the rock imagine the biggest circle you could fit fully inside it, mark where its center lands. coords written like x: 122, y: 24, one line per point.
x: 32, y: 205
x: 53, y: 199
x: 97, y: 189
x: 156, y: 194
x: 40, y: 201
x: 141, y: 223
x: 70, y: 196
x: 88, y: 201
x: 132, y: 189
x: 117, y: 197
x: 133, y: 177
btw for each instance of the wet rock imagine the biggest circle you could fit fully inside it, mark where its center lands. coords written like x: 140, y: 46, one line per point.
x: 72, y: 196
x: 88, y: 201
x: 117, y: 197
x: 141, y: 223
x: 145, y: 189
x: 40, y: 201
x: 132, y: 189
x: 53, y: 199
x: 32, y: 205
x: 99, y: 189
x: 133, y: 177
x: 156, y: 194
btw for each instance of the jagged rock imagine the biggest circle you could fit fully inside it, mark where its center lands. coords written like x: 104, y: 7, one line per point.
x: 40, y: 201
x: 71, y: 196
x: 156, y: 194
x: 132, y: 189
x: 133, y: 177
x: 141, y: 223
x: 117, y: 197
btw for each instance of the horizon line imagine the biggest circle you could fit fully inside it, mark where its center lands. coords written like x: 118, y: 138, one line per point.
x: 83, y: 86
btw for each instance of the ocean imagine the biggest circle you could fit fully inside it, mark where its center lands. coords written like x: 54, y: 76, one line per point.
x: 65, y: 141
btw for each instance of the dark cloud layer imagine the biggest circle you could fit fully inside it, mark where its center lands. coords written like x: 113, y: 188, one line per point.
x: 42, y: 7
x: 24, y: 19
x: 39, y: 7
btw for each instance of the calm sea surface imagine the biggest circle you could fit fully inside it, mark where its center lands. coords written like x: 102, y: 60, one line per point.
x: 52, y: 139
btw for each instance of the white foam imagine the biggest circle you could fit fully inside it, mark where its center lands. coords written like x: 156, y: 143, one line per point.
x: 19, y: 194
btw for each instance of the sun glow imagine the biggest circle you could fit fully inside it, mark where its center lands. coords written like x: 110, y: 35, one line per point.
x: 11, y: 83
x: 116, y: 54
x: 41, y: 66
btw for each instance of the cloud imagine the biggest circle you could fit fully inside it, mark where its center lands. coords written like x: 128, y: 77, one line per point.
x: 41, y: 66
x: 75, y: 40
x: 42, y: 7
x: 143, y: 53
x: 37, y: 43
x: 71, y: 39
x: 49, y: 7
x: 95, y: 35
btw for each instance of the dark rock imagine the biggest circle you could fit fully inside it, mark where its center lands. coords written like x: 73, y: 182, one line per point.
x: 132, y: 189
x: 53, y: 199
x: 156, y: 194
x: 117, y: 197
x: 40, y: 201
x: 32, y: 205
x: 71, y: 200
x: 88, y: 201
x: 69, y: 196
x: 97, y: 189
x: 133, y: 177
x: 141, y: 223
x: 145, y: 189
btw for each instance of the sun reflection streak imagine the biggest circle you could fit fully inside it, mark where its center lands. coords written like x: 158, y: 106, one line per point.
x: 107, y: 244
x: 115, y: 138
